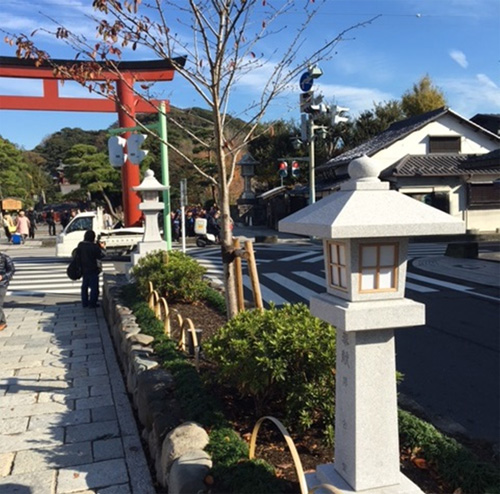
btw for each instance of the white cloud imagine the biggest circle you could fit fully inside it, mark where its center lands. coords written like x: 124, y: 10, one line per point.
x: 459, y: 57
x: 469, y: 96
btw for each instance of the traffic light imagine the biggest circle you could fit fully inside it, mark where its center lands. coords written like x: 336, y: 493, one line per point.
x: 339, y: 114
x: 306, y: 100
x: 135, y: 153
x: 283, y: 169
x: 295, y: 169
x: 116, y: 148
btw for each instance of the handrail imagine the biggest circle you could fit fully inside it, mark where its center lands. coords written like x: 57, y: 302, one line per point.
x: 290, y: 444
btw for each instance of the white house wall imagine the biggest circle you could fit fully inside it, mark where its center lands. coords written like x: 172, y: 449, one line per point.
x: 483, y: 220
x: 417, y: 143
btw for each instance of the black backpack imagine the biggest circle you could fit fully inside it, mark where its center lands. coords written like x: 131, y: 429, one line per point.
x: 74, y: 269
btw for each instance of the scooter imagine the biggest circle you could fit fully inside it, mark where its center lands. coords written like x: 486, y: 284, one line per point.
x: 203, y: 238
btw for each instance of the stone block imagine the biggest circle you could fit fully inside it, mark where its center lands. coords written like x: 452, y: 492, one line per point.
x: 187, y: 437
x: 188, y: 472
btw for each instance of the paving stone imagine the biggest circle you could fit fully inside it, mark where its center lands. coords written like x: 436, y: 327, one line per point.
x: 107, y: 449
x: 115, y: 489
x: 92, y: 475
x: 88, y: 351
x: 103, y: 413
x: 37, y: 409
x: 94, y: 402
x: 92, y: 431
x: 13, y: 400
x: 14, y: 425
x: 90, y: 381
x: 30, y: 439
x: 104, y: 389
x: 6, y: 461
x: 67, y: 393
x: 39, y: 482
x: 50, y: 420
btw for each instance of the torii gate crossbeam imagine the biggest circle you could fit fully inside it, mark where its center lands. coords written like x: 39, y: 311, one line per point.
x: 128, y: 104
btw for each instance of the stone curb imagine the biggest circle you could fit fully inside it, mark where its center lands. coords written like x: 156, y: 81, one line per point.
x: 176, y: 449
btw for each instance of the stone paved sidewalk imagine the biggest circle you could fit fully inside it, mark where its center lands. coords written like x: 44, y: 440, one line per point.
x: 66, y: 424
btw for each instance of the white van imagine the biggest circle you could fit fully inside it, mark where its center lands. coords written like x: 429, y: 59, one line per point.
x: 117, y: 240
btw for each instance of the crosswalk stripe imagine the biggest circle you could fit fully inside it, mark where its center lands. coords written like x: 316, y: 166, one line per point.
x: 317, y: 280
x: 296, y: 256
x: 315, y: 259
x: 291, y: 285
x: 419, y: 288
x: 267, y: 294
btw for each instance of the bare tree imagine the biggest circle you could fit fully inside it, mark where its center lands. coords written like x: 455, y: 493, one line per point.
x: 224, y: 41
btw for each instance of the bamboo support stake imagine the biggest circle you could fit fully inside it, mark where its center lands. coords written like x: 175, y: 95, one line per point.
x: 238, y: 276
x: 254, y: 275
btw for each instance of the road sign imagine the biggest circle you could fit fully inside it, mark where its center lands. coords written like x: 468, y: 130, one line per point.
x: 306, y: 81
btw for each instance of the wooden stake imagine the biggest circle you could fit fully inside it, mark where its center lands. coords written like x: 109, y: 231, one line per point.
x: 238, y: 274
x: 254, y: 275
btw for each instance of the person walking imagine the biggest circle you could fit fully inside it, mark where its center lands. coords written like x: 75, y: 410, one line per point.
x: 8, y: 225
x: 90, y: 254
x: 7, y: 270
x: 22, y: 226
x: 32, y: 217
x: 51, y: 222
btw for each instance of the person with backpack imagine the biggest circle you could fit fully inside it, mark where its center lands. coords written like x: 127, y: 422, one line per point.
x: 89, y: 255
x: 7, y: 270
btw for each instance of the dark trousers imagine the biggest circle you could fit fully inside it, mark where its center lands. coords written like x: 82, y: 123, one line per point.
x: 52, y: 227
x: 3, y: 291
x: 90, y: 281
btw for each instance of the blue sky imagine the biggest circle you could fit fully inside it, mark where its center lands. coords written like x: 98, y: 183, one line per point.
x: 455, y: 42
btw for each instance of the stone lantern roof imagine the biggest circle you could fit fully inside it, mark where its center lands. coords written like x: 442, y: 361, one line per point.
x: 365, y: 207
x: 150, y: 183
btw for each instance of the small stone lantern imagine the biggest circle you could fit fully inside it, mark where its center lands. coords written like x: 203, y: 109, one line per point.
x: 365, y: 229
x: 247, y: 164
x: 150, y: 206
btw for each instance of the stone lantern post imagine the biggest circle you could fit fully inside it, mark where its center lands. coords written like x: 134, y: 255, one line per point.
x: 365, y: 229
x: 247, y: 200
x: 150, y: 207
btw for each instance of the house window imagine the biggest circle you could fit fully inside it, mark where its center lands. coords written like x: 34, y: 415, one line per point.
x: 444, y: 144
x: 337, y: 270
x: 485, y: 195
x: 378, y: 267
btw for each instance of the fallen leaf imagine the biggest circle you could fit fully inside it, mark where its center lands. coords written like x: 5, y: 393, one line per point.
x: 420, y: 463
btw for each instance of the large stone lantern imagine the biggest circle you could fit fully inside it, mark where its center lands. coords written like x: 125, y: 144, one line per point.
x: 150, y: 207
x: 365, y: 229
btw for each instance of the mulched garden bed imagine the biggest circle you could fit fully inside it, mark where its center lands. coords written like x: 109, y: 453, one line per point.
x: 271, y: 445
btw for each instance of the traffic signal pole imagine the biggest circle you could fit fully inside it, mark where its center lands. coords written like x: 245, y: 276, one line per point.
x: 312, y: 163
x: 167, y: 224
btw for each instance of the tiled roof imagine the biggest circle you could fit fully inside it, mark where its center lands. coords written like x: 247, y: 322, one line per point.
x: 394, y: 133
x: 443, y: 165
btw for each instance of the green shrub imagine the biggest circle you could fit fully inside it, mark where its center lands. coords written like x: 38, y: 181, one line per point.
x: 283, y: 359
x: 175, y: 275
x: 456, y: 465
x: 215, y: 299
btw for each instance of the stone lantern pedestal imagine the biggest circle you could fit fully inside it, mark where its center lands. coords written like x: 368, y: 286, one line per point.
x: 365, y: 229
x: 150, y: 207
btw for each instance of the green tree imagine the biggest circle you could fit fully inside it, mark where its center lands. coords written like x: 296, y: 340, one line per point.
x: 424, y: 97
x: 18, y: 178
x: 93, y: 172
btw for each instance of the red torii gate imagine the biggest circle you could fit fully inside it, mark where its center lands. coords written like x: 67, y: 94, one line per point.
x: 125, y: 74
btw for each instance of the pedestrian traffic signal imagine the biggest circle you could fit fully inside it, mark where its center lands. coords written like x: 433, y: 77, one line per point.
x: 295, y: 168
x: 116, y: 149
x: 135, y: 153
x: 283, y: 169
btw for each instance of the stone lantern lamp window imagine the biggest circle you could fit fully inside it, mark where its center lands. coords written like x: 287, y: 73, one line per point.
x: 336, y: 264
x: 378, y: 267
